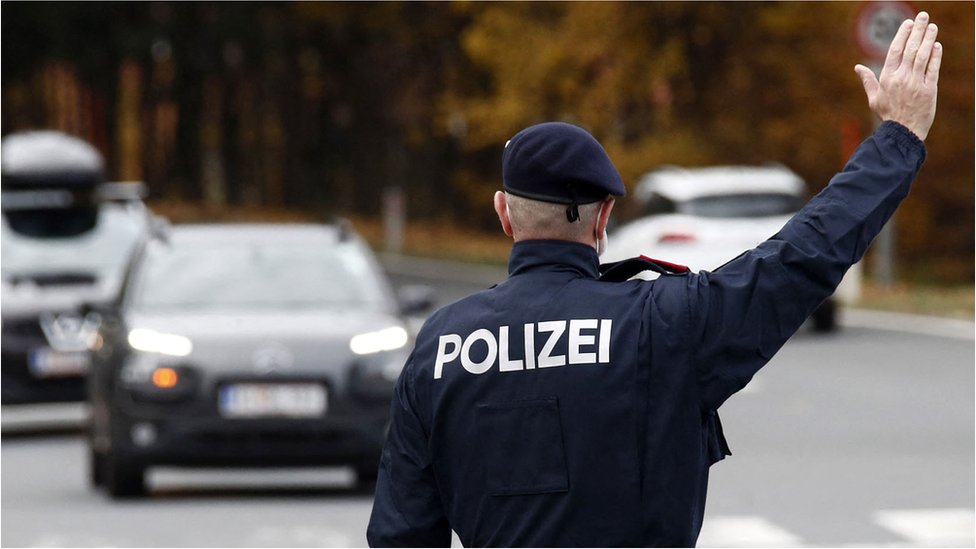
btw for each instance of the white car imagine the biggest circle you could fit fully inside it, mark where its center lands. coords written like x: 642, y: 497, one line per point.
x: 704, y: 217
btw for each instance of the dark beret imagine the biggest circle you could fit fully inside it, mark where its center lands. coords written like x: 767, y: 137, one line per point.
x: 561, y: 163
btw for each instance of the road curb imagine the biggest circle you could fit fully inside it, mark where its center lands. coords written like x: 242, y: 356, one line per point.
x: 442, y: 269
x: 910, y: 323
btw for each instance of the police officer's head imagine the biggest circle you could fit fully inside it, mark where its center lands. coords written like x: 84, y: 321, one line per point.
x: 559, y: 184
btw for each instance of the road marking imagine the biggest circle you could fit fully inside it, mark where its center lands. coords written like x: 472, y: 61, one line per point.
x: 41, y: 416
x: 251, y: 478
x: 931, y: 527
x: 744, y: 531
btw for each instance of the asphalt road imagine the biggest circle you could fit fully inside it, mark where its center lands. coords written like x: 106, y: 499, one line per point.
x: 861, y: 438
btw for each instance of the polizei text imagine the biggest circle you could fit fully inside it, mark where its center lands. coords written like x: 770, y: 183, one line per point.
x: 586, y: 341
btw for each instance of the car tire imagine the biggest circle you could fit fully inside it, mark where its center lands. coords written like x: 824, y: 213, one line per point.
x: 825, y: 317
x: 96, y: 467
x: 366, y: 475
x: 123, y: 478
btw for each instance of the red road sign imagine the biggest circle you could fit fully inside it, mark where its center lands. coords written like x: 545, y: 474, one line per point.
x: 877, y: 23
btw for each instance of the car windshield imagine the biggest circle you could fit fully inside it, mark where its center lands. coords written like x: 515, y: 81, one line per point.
x: 742, y: 205
x: 258, y: 276
x: 103, y: 249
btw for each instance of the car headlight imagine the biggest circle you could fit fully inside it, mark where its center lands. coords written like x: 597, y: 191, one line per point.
x: 373, y: 375
x: 151, y: 341
x: 388, y: 339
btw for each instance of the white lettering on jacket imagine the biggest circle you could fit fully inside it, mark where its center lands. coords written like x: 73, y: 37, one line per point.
x: 587, y: 341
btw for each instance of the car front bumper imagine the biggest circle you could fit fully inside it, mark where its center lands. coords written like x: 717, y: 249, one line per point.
x: 264, y: 442
x: 19, y: 386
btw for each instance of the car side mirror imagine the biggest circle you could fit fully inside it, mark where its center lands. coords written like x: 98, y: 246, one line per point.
x: 102, y: 314
x: 415, y: 299
x: 160, y: 227
x: 102, y: 309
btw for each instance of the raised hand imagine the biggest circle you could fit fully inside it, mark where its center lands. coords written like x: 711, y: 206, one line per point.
x: 906, y: 91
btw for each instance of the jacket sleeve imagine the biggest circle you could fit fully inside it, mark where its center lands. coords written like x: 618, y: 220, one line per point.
x: 407, y: 509
x: 744, y: 312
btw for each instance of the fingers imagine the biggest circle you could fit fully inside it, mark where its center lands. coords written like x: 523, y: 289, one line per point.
x: 935, y: 63
x: 915, y: 39
x: 925, y: 50
x: 897, y: 47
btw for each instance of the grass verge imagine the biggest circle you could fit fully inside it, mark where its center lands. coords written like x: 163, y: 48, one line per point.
x: 945, y: 301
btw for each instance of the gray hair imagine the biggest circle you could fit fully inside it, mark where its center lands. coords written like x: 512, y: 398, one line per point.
x: 534, y: 219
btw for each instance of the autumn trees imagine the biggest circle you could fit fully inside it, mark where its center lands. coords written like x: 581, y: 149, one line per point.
x: 323, y: 106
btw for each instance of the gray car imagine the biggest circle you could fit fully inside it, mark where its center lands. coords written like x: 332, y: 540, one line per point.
x: 245, y: 345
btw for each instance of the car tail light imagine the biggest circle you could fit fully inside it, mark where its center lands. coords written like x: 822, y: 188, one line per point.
x: 676, y: 238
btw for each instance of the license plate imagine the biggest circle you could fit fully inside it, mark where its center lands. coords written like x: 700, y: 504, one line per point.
x: 46, y: 363
x: 249, y: 400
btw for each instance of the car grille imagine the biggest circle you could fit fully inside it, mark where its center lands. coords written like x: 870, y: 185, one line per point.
x: 56, y: 279
x: 263, y: 438
x: 25, y: 328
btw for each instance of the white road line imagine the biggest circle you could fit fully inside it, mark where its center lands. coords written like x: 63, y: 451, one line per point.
x: 917, y: 527
x: 19, y: 417
x: 251, y: 478
x: 744, y: 531
x: 932, y: 527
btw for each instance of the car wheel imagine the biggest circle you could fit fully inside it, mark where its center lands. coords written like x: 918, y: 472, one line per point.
x: 366, y: 475
x: 123, y: 478
x: 825, y: 317
x: 96, y: 467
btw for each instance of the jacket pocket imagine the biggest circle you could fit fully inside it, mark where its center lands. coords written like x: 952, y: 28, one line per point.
x: 523, y: 447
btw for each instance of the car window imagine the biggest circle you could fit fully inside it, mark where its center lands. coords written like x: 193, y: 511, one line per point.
x: 52, y: 223
x: 39, y: 242
x: 257, y: 276
x: 658, y: 205
x: 742, y: 205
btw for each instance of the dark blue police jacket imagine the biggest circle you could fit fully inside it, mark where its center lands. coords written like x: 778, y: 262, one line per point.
x: 556, y: 409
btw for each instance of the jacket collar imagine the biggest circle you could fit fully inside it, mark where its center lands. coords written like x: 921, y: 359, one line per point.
x: 553, y: 256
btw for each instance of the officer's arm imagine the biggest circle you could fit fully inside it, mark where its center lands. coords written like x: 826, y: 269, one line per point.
x: 407, y: 510
x: 744, y: 311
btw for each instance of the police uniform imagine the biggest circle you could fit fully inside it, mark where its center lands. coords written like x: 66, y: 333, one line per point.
x: 559, y: 409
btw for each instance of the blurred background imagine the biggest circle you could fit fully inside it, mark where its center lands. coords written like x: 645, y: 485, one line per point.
x: 394, y: 115
x: 318, y: 109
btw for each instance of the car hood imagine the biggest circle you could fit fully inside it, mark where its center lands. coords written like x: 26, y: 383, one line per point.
x: 713, y: 242
x: 298, y: 343
x: 24, y: 298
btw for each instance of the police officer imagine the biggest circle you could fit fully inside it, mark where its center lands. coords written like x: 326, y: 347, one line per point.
x: 559, y: 409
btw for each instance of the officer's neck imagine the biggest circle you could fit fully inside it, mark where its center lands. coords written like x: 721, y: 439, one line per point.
x: 553, y: 255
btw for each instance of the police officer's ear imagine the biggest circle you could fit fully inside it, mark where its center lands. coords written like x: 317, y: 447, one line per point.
x: 501, y: 208
x: 604, y: 216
